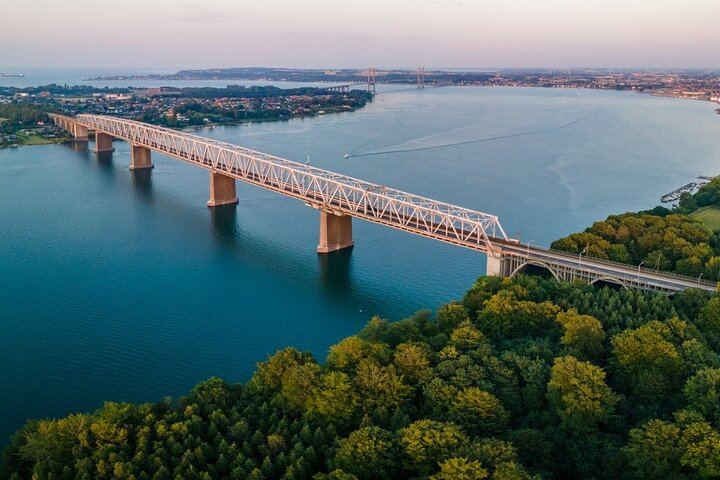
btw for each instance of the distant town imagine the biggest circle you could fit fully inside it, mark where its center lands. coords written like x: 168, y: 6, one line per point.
x: 693, y: 84
x: 23, y: 110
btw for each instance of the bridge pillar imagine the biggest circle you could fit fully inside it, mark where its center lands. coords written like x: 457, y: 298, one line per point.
x: 335, y: 232
x: 140, y: 158
x: 79, y: 132
x: 222, y: 190
x: 103, y: 142
x: 497, y: 265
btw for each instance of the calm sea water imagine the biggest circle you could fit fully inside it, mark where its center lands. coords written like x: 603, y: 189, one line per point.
x: 124, y: 286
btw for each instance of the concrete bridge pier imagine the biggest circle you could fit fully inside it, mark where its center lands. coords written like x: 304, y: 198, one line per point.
x: 140, y: 158
x: 497, y: 265
x: 222, y: 190
x: 103, y: 142
x: 79, y: 132
x: 335, y: 232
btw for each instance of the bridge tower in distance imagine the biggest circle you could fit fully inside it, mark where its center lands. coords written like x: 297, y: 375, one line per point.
x: 421, y: 77
x: 371, y: 79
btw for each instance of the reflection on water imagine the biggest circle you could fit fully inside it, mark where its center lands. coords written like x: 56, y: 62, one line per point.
x: 105, y: 160
x: 77, y: 146
x: 335, y: 271
x: 142, y: 181
x: 224, y: 222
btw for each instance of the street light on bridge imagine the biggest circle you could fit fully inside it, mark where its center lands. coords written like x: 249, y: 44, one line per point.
x: 638, y: 275
x: 580, y: 256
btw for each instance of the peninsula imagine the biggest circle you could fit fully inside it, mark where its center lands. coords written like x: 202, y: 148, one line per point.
x: 24, y: 111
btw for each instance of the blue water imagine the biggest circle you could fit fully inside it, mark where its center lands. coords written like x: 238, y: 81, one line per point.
x: 124, y: 286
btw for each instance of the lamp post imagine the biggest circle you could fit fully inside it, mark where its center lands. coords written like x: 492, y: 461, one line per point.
x: 699, y: 277
x: 528, y: 248
x: 638, y: 274
x: 579, y: 263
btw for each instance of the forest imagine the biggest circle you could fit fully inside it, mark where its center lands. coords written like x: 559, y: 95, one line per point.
x: 520, y: 379
x: 20, y: 114
x: 662, y: 239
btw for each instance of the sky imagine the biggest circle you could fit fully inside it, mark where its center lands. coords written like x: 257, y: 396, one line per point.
x: 175, y: 34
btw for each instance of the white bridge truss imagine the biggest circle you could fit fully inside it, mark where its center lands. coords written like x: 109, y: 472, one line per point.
x: 322, y: 189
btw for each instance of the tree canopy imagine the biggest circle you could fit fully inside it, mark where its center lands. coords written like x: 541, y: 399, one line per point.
x: 522, y: 379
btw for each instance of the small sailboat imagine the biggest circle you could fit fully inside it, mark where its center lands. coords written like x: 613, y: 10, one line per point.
x: 307, y: 162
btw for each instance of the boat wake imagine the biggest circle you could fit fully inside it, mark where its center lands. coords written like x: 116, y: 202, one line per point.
x: 465, y: 142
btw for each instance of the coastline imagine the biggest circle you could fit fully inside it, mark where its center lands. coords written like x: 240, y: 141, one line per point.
x: 195, y: 128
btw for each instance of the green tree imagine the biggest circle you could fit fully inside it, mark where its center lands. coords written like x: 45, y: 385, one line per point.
x: 368, y: 453
x: 702, y: 392
x: 478, y: 412
x: 583, y: 335
x: 460, y: 469
x: 504, y: 316
x: 380, y: 387
x: 428, y: 442
x: 578, y: 393
x: 269, y: 374
x: 450, y: 316
x: 708, y: 321
x: 653, y: 450
x: 647, y: 362
x: 411, y: 360
x: 700, y: 445
x: 334, y: 397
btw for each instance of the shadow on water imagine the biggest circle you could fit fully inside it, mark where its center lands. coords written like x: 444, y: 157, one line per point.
x: 334, y: 274
x: 224, y: 223
x: 142, y: 181
x: 105, y: 160
x: 79, y: 147
x: 335, y: 271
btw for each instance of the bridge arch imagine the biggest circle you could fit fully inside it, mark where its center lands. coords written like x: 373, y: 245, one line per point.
x: 535, y: 263
x: 610, y: 281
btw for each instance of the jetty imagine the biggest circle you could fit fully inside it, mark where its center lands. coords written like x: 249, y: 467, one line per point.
x: 691, y: 188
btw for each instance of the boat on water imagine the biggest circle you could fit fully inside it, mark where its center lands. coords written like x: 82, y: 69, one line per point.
x: 347, y: 155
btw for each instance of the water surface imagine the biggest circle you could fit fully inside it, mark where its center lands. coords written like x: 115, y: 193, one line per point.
x: 119, y: 285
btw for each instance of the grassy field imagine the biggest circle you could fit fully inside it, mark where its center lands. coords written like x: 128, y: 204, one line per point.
x: 30, y: 139
x: 709, y: 216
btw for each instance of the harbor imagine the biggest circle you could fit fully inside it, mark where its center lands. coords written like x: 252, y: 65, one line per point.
x: 690, y: 188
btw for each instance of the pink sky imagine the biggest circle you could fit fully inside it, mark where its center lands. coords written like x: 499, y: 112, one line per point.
x: 387, y: 33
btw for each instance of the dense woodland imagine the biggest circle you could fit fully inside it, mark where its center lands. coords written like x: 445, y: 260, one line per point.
x: 17, y: 115
x: 522, y: 379
x: 660, y: 238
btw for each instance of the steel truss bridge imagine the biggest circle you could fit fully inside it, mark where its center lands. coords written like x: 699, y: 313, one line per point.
x: 340, y: 197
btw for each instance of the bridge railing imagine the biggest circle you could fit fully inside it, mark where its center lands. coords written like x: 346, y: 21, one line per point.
x: 627, y: 266
x: 312, y: 184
